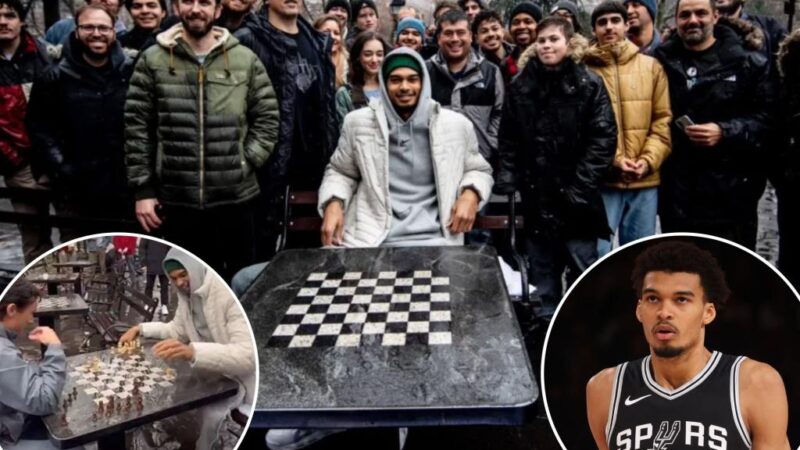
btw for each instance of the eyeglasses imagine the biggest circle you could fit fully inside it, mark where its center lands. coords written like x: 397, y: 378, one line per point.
x: 102, y: 29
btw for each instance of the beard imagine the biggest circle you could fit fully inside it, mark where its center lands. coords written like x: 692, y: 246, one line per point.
x: 669, y: 352
x: 194, y: 31
x: 94, y: 56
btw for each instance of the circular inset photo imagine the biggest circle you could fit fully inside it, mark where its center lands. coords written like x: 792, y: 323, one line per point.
x: 123, y: 341
x: 681, y: 341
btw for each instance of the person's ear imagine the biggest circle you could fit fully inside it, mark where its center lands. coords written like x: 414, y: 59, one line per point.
x: 709, y: 313
x: 11, y: 310
x: 638, y: 310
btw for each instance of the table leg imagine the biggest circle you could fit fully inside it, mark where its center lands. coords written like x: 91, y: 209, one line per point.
x: 78, y: 287
x: 114, y: 441
x: 52, y: 288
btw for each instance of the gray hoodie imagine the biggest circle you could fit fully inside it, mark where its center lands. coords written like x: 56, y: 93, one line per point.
x: 412, y: 182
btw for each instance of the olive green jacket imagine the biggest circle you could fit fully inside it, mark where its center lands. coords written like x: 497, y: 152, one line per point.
x: 195, y: 132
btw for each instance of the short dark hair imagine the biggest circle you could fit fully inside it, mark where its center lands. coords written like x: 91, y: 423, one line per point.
x: 452, y: 16
x: 22, y: 293
x: 463, y: 4
x: 94, y: 7
x: 444, y: 4
x: 129, y: 5
x: 16, y: 5
x: 680, y: 256
x: 710, y: 2
x: 558, y: 22
x: 609, y: 7
x: 356, y: 72
x: 487, y: 15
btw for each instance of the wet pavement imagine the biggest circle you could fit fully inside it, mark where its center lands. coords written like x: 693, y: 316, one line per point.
x: 179, y: 432
x: 79, y: 336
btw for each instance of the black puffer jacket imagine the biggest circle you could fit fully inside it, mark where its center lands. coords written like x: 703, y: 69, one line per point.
x: 557, y: 139
x: 278, y: 52
x: 720, y: 185
x: 75, y: 119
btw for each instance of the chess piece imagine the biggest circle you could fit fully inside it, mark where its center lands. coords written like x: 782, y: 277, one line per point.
x: 74, y: 390
x: 64, y: 404
x: 94, y: 417
x: 64, y: 420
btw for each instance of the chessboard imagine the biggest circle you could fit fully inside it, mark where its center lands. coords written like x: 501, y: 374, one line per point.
x: 117, y: 384
x: 54, y: 302
x: 354, y: 309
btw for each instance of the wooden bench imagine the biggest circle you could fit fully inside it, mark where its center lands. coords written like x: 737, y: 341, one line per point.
x: 108, y: 322
x: 300, y: 216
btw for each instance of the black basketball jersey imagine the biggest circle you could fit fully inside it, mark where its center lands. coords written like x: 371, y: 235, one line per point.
x: 702, y: 414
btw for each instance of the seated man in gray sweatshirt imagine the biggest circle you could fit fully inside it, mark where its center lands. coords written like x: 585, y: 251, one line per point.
x: 437, y: 180
x: 27, y: 389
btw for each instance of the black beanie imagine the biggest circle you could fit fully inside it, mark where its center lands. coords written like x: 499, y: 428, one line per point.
x: 340, y: 3
x: 357, y: 5
x: 528, y: 8
x: 609, y: 7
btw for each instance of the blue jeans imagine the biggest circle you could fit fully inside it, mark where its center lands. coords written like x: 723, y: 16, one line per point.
x: 245, y: 277
x: 631, y: 215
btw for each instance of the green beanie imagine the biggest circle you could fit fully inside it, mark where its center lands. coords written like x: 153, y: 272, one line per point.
x: 171, y: 265
x: 398, y: 61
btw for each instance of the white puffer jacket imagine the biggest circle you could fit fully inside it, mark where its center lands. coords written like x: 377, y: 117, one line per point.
x: 358, y: 172
x: 231, y: 353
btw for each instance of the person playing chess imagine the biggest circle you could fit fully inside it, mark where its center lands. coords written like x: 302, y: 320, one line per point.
x: 209, y: 331
x: 28, y: 390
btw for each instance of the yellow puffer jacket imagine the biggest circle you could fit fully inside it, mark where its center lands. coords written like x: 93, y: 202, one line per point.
x: 637, y: 86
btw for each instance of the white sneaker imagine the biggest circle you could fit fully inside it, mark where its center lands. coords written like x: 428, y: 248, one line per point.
x: 294, y: 439
x: 164, y: 310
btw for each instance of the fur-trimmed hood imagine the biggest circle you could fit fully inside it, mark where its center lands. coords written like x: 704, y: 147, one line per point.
x: 751, y: 34
x: 577, y: 49
x: 789, y: 56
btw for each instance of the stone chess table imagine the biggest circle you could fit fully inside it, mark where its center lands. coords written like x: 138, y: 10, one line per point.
x: 53, y: 306
x: 52, y: 280
x: 77, y: 266
x: 134, y: 389
x: 387, y: 337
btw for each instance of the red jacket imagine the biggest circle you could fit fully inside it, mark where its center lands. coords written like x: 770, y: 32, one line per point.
x: 16, y: 77
x: 124, y: 244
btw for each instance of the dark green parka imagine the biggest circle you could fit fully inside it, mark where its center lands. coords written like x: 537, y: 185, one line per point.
x: 195, y: 131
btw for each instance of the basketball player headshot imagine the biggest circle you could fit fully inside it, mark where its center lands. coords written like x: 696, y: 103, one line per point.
x: 685, y: 394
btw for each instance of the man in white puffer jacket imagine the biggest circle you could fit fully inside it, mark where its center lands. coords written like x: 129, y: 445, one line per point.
x: 406, y: 171
x: 210, y: 331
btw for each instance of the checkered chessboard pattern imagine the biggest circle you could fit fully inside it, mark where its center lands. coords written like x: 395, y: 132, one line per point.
x: 360, y: 309
x: 53, y: 302
x: 102, y: 380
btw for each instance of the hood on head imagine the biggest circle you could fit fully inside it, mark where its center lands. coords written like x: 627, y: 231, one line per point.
x: 194, y: 267
x: 424, y: 96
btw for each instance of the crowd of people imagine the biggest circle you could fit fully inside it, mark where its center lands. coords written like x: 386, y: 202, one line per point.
x: 195, y: 121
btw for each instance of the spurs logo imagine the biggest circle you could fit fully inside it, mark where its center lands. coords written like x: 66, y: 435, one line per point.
x: 664, y: 439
